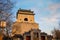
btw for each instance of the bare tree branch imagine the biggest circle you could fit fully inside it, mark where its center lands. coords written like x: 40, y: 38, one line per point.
x: 6, y: 12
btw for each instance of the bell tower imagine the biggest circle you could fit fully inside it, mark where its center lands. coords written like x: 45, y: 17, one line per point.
x: 25, y: 16
x: 24, y: 22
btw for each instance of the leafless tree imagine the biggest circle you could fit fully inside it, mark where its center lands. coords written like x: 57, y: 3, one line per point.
x: 6, y: 7
x: 56, y: 33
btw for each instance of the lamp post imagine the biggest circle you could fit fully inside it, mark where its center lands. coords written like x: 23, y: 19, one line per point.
x: 2, y: 25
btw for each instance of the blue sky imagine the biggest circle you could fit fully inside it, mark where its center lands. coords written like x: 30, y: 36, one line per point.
x: 47, y: 12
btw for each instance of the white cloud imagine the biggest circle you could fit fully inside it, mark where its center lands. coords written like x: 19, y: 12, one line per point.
x: 53, y: 17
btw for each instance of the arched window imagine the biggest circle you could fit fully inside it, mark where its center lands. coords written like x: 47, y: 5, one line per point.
x: 25, y: 19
